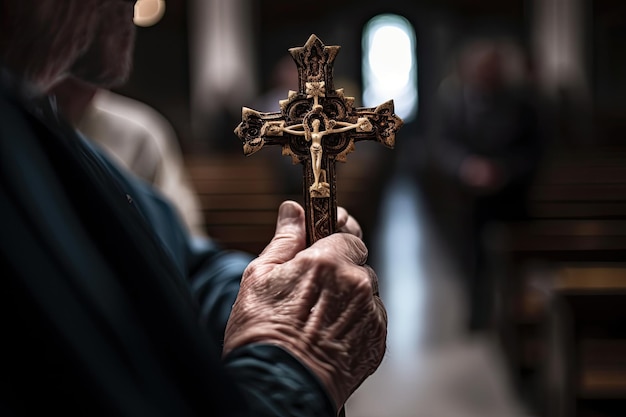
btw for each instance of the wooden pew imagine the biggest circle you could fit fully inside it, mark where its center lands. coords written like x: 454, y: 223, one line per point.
x: 239, y: 197
x: 566, y: 294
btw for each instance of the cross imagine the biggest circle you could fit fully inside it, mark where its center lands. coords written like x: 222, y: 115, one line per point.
x: 317, y: 126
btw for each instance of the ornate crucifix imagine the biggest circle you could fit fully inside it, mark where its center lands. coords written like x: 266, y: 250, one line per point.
x: 317, y: 125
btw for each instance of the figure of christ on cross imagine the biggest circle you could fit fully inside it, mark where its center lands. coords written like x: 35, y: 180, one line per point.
x: 320, y: 188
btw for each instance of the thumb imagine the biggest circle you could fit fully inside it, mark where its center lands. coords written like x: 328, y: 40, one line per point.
x: 290, y: 235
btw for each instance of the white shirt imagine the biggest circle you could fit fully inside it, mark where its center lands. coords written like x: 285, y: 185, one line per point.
x: 144, y: 142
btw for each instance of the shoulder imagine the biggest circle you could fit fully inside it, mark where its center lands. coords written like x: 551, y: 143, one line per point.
x: 132, y: 111
x: 136, y: 122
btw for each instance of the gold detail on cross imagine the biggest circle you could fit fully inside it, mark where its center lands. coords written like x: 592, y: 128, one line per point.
x: 317, y: 125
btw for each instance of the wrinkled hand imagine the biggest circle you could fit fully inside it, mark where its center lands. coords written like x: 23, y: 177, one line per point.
x: 320, y: 303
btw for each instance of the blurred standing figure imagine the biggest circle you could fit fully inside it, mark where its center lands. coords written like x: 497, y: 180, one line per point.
x: 138, y: 137
x: 487, y: 146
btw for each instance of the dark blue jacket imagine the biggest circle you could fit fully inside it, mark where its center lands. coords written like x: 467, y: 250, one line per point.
x: 107, y: 307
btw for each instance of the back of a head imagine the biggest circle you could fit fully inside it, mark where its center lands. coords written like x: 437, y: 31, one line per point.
x: 480, y: 65
x: 40, y: 39
x: 43, y: 41
x: 489, y: 64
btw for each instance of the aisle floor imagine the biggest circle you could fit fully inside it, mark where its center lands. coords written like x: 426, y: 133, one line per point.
x: 432, y: 368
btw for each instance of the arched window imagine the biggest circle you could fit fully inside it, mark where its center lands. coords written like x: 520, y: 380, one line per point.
x: 389, y: 64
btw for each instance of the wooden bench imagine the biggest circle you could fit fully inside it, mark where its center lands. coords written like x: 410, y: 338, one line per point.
x: 587, y: 363
x: 566, y: 296
x: 239, y: 197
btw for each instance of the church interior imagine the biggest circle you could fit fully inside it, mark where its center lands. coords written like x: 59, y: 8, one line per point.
x: 552, y: 344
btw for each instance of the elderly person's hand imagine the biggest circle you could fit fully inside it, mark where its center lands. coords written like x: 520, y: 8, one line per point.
x: 319, y: 303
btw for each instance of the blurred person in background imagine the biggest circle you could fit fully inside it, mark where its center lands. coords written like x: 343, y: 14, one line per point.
x: 487, y: 145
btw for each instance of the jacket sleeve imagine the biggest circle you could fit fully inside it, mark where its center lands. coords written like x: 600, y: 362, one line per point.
x: 276, y: 384
x: 214, y: 276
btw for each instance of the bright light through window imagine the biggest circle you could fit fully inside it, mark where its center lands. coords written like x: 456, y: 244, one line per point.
x: 389, y: 64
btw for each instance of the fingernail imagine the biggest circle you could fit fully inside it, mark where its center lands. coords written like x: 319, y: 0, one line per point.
x: 288, y: 212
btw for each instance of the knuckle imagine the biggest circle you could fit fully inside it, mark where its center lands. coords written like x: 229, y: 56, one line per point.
x: 360, y: 250
x: 365, y: 281
x: 362, y: 283
x: 313, y: 256
x: 351, y: 247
